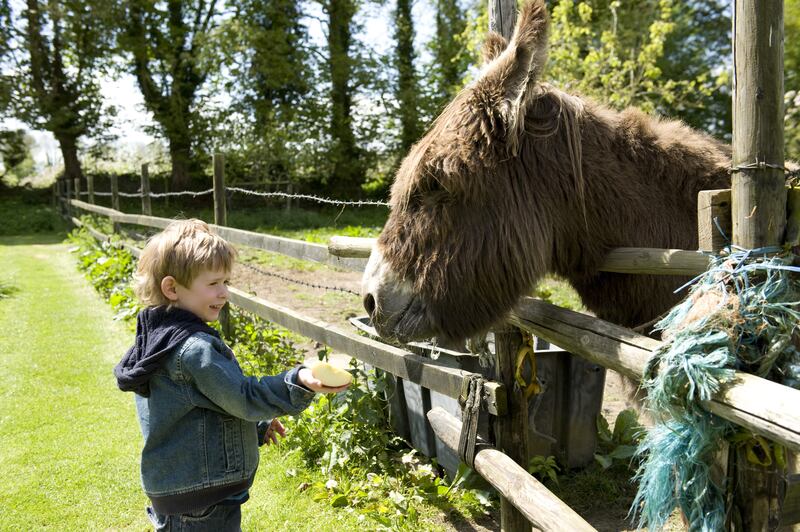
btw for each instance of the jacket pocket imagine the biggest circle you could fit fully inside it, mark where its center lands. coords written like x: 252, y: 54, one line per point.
x: 232, y: 436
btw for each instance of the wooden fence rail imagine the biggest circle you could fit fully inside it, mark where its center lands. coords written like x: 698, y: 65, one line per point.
x: 276, y: 244
x: 538, y: 504
x: 763, y: 406
x: 650, y: 261
x: 744, y: 402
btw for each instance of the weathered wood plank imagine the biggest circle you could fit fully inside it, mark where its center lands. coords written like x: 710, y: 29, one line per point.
x: 420, y: 370
x: 713, y: 215
x: 758, y: 197
x: 651, y: 261
x: 97, y: 209
x: 287, y: 246
x: 511, y: 430
x: 758, y: 191
x: 350, y: 246
x: 276, y: 244
x: 762, y: 406
x: 536, y: 503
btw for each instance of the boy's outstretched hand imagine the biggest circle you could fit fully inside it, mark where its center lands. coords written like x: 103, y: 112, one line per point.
x: 275, y: 428
x: 305, y: 378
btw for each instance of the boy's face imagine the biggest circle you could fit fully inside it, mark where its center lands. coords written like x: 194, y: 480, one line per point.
x: 206, y: 295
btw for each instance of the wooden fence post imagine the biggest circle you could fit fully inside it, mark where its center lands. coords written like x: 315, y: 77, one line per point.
x: 220, y: 214
x: 166, y: 191
x: 77, y: 188
x: 146, y: 208
x: 289, y: 190
x: 758, y: 206
x: 68, y: 196
x: 511, y: 430
x: 90, y: 187
x: 115, y: 198
x: 220, y: 218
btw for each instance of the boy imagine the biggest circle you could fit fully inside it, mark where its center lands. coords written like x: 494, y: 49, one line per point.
x: 201, y: 418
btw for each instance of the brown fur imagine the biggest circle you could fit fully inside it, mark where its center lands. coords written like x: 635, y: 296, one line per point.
x: 517, y: 179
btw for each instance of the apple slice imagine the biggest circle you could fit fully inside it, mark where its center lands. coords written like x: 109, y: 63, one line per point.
x: 330, y: 376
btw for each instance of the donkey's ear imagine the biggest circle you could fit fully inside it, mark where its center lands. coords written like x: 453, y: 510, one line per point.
x: 511, y: 75
x: 493, y: 46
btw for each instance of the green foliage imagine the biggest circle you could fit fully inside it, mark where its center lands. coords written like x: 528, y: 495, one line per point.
x: 406, y: 89
x: 598, y: 49
x: 347, y: 437
x: 558, y: 292
x: 15, y: 156
x: 110, y: 269
x: 792, y: 79
x: 26, y: 212
x: 544, y: 468
x: 277, y: 101
x: 447, y: 47
x: 261, y: 347
x: 621, y: 444
x: 58, y: 63
x: 167, y: 48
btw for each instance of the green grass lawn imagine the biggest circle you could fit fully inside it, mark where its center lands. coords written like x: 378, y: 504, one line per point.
x: 69, y: 441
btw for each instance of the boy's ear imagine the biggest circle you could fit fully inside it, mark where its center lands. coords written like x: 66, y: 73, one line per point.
x: 168, y: 284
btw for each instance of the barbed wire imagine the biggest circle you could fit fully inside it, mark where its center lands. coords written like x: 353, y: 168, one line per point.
x: 287, y: 195
x: 184, y: 193
x: 298, y: 281
x: 318, y: 199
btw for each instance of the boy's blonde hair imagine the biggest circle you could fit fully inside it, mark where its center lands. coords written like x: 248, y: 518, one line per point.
x: 183, y: 250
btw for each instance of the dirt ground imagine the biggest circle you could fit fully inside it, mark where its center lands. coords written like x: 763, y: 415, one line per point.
x: 337, y: 307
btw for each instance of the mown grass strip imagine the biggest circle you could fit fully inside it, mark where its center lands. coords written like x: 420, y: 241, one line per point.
x: 69, y: 440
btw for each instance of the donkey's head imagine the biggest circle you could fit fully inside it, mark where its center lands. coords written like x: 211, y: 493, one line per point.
x: 460, y: 245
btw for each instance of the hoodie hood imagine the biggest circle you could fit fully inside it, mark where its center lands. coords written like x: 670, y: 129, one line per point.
x: 159, y: 330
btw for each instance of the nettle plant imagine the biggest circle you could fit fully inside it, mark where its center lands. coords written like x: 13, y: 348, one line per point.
x: 109, y: 268
x: 369, y: 469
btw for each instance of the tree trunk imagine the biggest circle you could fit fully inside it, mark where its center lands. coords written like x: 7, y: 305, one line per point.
x: 181, y: 156
x: 69, y: 151
x: 347, y: 169
x: 407, y: 79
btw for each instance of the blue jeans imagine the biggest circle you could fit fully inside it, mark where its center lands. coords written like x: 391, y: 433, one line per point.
x: 217, y: 518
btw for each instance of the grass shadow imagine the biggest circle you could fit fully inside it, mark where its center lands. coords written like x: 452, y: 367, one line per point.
x: 33, y: 239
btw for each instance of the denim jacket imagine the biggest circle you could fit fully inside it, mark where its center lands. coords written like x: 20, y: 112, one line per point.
x: 200, y: 424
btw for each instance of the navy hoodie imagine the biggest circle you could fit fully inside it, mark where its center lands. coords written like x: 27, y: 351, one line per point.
x: 158, y: 331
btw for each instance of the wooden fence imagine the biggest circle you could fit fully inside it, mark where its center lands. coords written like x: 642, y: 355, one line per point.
x: 762, y: 406
x: 539, y: 505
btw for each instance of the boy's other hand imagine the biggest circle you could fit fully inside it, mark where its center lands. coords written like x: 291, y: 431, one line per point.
x: 305, y: 378
x: 275, y: 428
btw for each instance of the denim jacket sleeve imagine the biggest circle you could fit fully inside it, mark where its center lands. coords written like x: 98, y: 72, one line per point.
x: 219, y: 378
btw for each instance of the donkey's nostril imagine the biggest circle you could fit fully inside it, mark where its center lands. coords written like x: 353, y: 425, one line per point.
x: 369, y: 304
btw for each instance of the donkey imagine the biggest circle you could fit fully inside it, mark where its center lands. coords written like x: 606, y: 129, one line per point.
x: 517, y: 179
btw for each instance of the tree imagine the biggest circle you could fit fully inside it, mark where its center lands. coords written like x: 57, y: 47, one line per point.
x: 15, y: 154
x: 348, y: 168
x: 663, y: 56
x: 54, y: 54
x: 166, y: 42
x: 448, y: 47
x: 266, y: 50
x: 406, y: 89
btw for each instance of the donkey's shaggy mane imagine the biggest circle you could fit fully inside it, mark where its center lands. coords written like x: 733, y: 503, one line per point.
x: 517, y: 179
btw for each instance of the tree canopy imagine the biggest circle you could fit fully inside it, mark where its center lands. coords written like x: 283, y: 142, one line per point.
x: 303, y: 92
